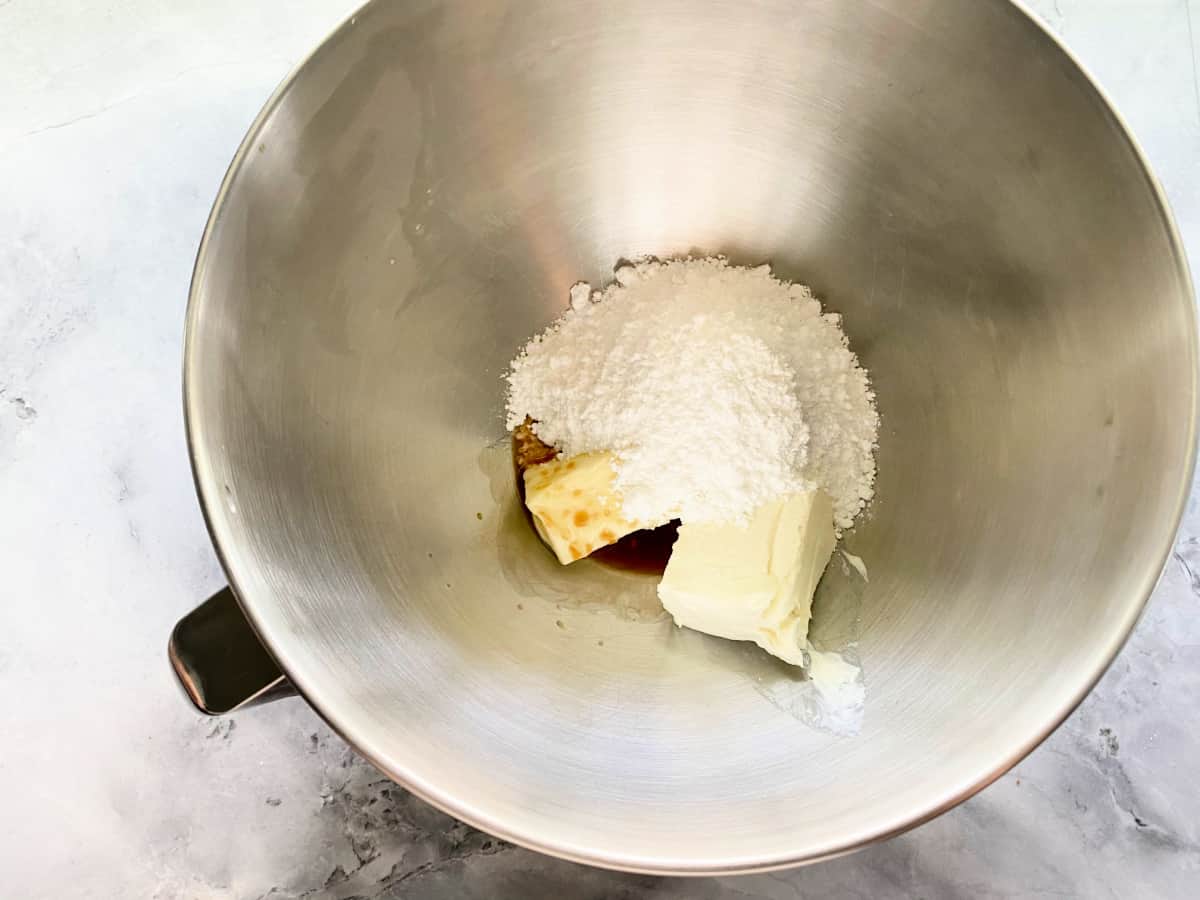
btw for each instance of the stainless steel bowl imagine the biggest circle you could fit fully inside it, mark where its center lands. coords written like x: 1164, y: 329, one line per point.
x: 414, y: 203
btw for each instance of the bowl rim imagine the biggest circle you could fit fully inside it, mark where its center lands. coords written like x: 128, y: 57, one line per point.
x: 208, y: 495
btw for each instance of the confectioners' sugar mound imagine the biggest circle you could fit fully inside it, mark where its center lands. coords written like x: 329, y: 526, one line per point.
x: 718, y: 388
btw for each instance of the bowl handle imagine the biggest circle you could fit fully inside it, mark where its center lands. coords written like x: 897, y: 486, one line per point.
x: 220, y: 661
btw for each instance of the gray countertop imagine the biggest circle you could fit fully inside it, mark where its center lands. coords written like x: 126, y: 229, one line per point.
x: 117, y: 121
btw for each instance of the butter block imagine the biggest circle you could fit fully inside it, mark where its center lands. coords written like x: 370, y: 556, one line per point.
x: 753, y: 582
x: 576, y: 506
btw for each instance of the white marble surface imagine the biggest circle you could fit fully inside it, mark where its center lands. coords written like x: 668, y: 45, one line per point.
x: 117, y: 120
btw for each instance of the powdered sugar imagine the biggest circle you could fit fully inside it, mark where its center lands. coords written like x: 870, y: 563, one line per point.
x: 718, y: 388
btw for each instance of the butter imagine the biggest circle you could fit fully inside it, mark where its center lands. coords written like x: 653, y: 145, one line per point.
x: 576, y: 506
x: 753, y: 582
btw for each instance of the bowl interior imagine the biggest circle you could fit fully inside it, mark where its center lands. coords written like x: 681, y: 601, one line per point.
x: 414, y: 205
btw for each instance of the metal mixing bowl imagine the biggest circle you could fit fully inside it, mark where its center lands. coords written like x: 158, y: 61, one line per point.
x: 414, y: 203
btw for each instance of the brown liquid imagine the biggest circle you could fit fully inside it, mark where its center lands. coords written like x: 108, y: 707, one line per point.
x: 644, y: 551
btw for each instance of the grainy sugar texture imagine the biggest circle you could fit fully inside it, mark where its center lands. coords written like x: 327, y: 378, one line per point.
x: 719, y: 388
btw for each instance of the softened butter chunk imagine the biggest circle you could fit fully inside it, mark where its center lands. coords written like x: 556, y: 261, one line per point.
x: 576, y: 506
x: 753, y: 582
